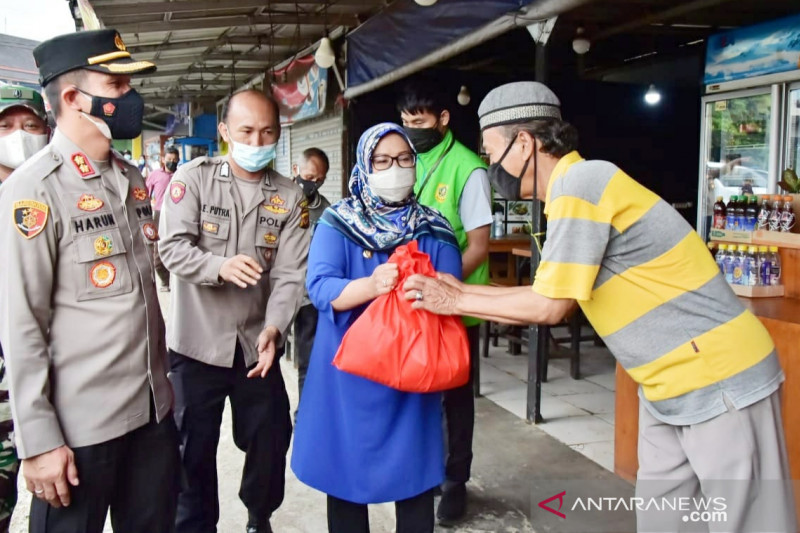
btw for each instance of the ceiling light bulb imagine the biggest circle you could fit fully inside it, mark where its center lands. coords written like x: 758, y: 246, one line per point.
x: 463, y: 96
x: 652, y: 97
x: 425, y: 3
x: 324, y: 55
x: 580, y: 44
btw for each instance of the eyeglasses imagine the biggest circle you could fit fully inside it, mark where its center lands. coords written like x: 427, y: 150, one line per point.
x: 384, y: 162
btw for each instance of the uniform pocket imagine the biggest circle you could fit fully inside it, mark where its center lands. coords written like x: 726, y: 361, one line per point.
x: 267, y: 240
x: 101, y: 264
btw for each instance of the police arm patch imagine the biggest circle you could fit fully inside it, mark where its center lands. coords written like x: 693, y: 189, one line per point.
x: 304, y: 215
x: 177, y: 190
x: 30, y: 217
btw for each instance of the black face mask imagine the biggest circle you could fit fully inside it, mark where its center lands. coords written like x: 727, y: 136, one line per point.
x: 122, y: 115
x: 309, y: 187
x: 171, y: 166
x: 424, y: 139
x: 506, y: 184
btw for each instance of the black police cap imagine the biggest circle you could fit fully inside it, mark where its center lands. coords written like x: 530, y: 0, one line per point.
x: 99, y: 50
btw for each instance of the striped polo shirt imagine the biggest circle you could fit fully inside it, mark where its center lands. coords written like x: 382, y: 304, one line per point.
x: 651, y: 290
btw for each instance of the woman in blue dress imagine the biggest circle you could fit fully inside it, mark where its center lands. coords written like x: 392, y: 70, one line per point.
x: 356, y: 440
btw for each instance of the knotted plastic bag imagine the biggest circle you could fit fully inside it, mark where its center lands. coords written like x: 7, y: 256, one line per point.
x: 407, y: 349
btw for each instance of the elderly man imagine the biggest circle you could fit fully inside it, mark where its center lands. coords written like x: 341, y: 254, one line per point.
x: 707, y: 369
x: 79, y: 321
x: 234, y: 234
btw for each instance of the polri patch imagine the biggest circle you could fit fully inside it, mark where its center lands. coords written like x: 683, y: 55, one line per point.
x: 82, y: 164
x: 139, y: 194
x: 88, y: 202
x: 30, y: 217
x: 103, y: 274
x: 150, y: 231
x: 177, y: 189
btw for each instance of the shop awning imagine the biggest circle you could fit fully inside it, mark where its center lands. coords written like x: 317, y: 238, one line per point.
x: 406, y: 38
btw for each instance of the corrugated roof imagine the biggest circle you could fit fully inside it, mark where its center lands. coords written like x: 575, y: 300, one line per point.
x: 16, y: 60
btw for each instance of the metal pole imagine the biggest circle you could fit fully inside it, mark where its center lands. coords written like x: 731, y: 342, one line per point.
x: 537, y: 334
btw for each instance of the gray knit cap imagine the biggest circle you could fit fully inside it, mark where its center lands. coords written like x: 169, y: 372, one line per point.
x: 519, y: 101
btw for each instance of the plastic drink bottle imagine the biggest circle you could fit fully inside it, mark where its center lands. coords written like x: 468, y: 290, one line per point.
x: 751, y: 214
x: 719, y: 214
x: 737, y: 264
x: 787, y: 215
x: 740, y: 217
x: 763, y: 213
x: 775, y: 214
x: 763, y: 265
x: 722, y: 253
x: 730, y: 213
x: 751, y: 266
x: 774, y: 266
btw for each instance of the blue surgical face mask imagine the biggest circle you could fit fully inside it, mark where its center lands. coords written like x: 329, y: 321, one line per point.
x: 253, y: 158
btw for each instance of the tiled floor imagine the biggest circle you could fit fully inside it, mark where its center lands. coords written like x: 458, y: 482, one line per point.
x: 579, y: 413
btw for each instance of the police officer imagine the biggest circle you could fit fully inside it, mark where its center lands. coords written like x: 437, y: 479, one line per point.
x: 23, y: 132
x: 311, y: 171
x: 234, y: 235
x: 80, y: 321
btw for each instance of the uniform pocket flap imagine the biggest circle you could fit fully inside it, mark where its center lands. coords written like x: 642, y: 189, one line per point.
x: 99, y: 245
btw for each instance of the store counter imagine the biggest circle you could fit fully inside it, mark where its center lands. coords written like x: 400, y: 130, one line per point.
x: 781, y: 317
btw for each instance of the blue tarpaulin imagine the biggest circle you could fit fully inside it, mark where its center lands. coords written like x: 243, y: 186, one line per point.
x: 406, y: 32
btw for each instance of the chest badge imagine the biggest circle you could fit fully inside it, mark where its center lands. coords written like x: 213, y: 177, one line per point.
x: 441, y: 193
x: 270, y: 238
x: 88, y: 202
x: 210, y: 227
x: 103, y: 246
x: 150, y: 231
x: 139, y: 194
x: 30, y: 217
x: 102, y: 274
x: 367, y: 254
x: 276, y: 205
x: 82, y: 165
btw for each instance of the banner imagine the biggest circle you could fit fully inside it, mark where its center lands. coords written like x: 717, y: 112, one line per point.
x: 300, y: 89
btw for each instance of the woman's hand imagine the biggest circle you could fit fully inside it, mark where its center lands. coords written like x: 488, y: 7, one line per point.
x: 384, y: 279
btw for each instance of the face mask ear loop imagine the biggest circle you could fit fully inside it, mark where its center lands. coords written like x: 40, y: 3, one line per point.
x: 508, y: 149
x: 535, y: 170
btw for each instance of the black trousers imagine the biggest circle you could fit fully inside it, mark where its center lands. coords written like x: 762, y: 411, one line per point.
x: 261, y: 429
x: 136, y: 476
x: 459, y: 420
x: 414, y: 515
x: 305, y: 328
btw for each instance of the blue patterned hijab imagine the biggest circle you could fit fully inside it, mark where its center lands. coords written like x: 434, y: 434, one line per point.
x: 367, y: 221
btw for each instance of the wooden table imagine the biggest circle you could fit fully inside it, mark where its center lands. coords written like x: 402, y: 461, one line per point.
x: 502, y: 263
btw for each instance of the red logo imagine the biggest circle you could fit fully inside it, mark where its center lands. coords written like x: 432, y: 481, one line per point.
x: 109, y: 108
x: 560, y: 498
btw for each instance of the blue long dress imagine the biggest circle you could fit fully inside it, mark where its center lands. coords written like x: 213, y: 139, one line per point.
x: 355, y: 439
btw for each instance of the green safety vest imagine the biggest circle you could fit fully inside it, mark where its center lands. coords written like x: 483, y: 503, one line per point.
x: 442, y: 191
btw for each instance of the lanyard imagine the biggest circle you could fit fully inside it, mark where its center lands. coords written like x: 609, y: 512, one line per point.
x: 436, y: 165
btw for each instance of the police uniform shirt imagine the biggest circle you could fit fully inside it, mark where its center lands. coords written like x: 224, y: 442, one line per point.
x: 81, y: 325
x: 203, y: 223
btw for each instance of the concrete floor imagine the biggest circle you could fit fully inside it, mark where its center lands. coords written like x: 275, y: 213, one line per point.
x: 512, y: 461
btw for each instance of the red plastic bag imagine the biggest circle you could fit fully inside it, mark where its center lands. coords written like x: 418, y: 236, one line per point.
x: 403, y: 348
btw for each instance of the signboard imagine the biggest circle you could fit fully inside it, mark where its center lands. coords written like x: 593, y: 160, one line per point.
x: 771, y: 48
x: 300, y: 89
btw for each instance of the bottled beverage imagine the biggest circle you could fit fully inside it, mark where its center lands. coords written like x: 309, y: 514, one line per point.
x: 763, y: 265
x: 787, y: 215
x: 722, y: 253
x: 751, y: 266
x: 763, y: 213
x: 737, y: 265
x: 497, y: 226
x: 751, y: 214
x: 775, y: 214
x: 740, y: 209
x: 719, y: 214
x: 774, y: 266
x: 730, y: 213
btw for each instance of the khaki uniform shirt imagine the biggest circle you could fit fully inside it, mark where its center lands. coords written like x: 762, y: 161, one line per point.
x: 203, y: 223
x: 80, y: 323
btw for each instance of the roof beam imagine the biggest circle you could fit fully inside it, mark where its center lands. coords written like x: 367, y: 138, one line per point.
x: 225, y: 22
x: 661, y: 16
x: 226, y: 69
x: 160, y: 8
x: 183, y: 83
x: 261, y: 39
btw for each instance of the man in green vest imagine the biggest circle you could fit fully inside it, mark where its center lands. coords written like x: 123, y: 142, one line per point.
x: 452, y: 179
